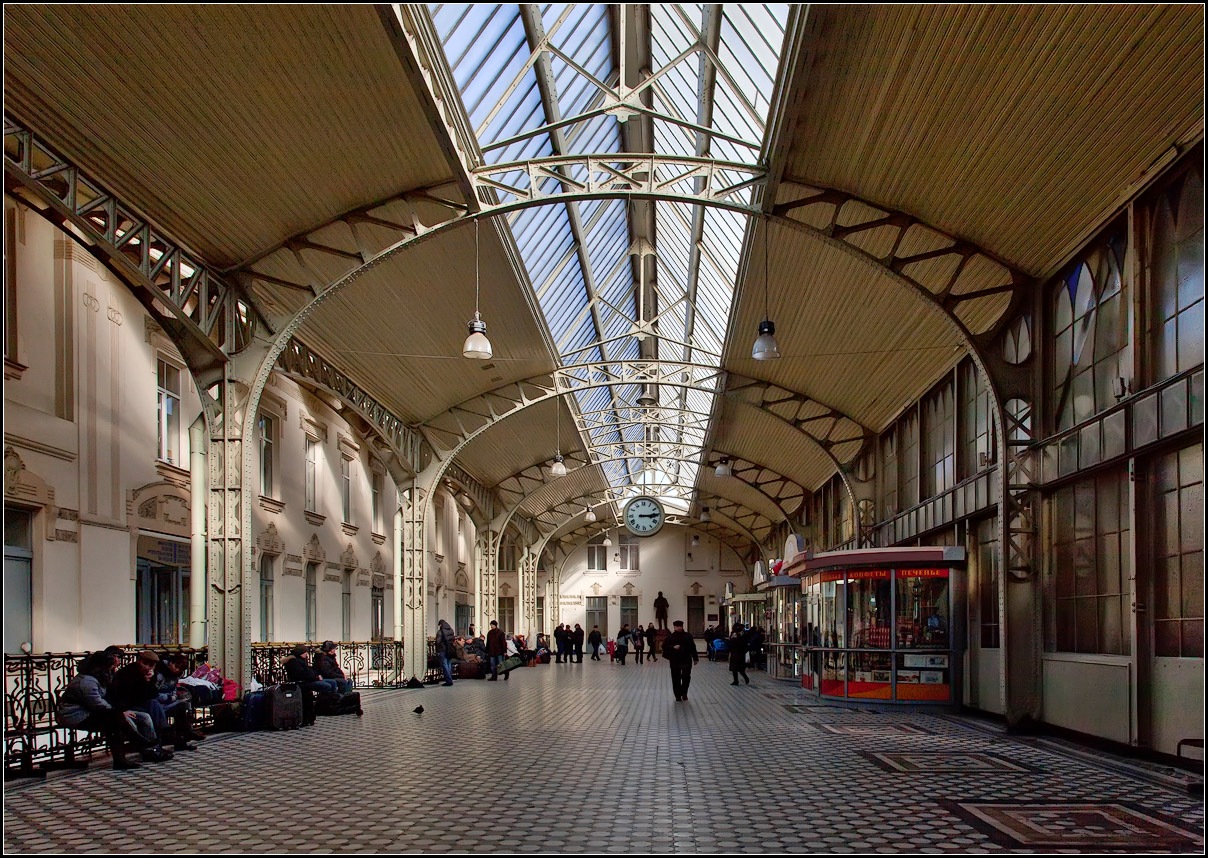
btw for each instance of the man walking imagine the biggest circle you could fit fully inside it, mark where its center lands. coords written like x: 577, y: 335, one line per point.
x: 679, y: 649
x: 497, y: 649
x: 594, y: 640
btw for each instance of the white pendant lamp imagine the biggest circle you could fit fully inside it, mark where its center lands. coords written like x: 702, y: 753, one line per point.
x: 589, y: 515
x: 723, y: 469
x: 558, y: 468
x: 766, y: 347
x: 704, y: 515
x: 477, y: 346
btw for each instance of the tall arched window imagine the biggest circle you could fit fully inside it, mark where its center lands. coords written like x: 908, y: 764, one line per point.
x: 312, y: 600
x: 1176, y: 275
x: 1090, y: 333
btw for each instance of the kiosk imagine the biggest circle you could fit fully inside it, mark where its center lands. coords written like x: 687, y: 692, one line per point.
x: 883, y: 624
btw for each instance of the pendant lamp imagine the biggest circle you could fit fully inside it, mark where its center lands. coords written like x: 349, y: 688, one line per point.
x: 766, y: 347
x: 477, y: 346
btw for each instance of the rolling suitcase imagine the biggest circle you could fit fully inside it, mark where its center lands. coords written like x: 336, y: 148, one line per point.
x: 284, y: 710
x: 253, y: 714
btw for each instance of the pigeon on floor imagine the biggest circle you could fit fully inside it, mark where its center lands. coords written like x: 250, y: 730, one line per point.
x: 418, y: 710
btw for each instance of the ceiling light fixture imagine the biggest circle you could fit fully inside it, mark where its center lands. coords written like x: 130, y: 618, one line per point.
x: 723, y: 469
x: 704, y: 515
x: 558, y: 469
x: 765, y: 347
x: 477, y: 345
x: 607, y: 542
x: 589, y: 515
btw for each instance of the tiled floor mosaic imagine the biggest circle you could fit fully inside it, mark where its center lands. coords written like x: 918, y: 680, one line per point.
x: 598, y: 757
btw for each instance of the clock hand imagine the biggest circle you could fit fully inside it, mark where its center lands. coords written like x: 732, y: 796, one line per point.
x: 648, y: 515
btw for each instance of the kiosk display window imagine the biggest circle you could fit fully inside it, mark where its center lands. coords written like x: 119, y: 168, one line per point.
x: 869, y: 613
x: 834, y: 610
x: 883, y: 630
x: 811, y: 589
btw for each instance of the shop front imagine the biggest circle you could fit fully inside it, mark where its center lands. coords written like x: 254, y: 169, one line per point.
x: 782, y: 615
x: 881, y: 624
x: 748, y: 609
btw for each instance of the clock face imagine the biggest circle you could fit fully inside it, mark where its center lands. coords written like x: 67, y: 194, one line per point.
x: 644, y: 516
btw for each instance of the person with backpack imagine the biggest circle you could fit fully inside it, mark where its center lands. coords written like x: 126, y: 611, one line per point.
x: 638, y: 637
x: 445, y: 641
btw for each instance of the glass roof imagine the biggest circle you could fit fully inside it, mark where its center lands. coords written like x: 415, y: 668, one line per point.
x: 545, y: 80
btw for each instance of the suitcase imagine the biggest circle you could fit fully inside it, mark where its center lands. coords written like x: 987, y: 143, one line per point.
x: 335, y: 703
x: 284, y: 709
x: 511, y: 663
x: 253, y: 715
x: 470, y: 670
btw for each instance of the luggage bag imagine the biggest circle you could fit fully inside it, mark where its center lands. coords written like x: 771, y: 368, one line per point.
x: 335, y: 703
x: 284, y: 707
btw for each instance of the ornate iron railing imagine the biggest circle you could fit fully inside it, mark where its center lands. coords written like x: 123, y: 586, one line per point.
x: 32, y: 684
x: 369, y: 664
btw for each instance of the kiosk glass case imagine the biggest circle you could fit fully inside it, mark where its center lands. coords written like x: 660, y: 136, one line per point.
x: 882, y: 632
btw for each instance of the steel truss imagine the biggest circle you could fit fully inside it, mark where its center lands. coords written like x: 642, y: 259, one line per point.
x: 208, y: 318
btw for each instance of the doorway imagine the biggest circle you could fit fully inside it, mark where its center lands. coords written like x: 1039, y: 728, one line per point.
x: 696, y: 615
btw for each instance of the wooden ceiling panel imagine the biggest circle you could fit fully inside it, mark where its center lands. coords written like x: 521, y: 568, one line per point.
x: 1017, y: 127
x: 229, y: 142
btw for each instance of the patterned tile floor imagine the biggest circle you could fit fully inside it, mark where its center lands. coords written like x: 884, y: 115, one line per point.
x: 598, y: 757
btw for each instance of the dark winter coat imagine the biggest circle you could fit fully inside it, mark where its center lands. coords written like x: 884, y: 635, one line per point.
x: 297, y: 670
x: 680, y: 648
x: 497, y: 642
x: 738, y: 650
x: 328, y: 667
x: 444, y: 639
x: 595, y: 638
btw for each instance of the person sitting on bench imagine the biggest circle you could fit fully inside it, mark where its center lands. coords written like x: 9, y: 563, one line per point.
x: 329, y: 668
x: 82, y: 706
x: 298, y: 669
x: 133, y: 687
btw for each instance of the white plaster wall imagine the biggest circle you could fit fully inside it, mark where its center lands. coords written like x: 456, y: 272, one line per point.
x: 98, y: 448
x: 107, y: 590
x: 298, y: 413
x: 664, y: 565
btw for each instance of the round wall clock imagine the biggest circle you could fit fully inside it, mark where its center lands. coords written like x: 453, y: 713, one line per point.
x: 644, y: 516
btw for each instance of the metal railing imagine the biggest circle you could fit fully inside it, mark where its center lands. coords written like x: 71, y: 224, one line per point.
x: 32, y: 684
x: 368, y: 664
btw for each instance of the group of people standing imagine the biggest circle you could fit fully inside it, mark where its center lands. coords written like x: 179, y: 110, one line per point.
x: 568, y: 643
x: 639, y: 640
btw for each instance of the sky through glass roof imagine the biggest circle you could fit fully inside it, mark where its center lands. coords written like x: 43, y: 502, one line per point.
x: 539, y: 81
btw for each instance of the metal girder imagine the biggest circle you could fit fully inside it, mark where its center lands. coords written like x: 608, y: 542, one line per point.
x: 703, y: 181
x: 207, y: 317
x: 841, y: 436
x: 482, y: 497
x: 971, y: 285
x: 517, y: 488
x: 451, y: 431
x: 303, y: 362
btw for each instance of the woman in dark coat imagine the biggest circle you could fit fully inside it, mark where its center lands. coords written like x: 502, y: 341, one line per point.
x: 738, y: 654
